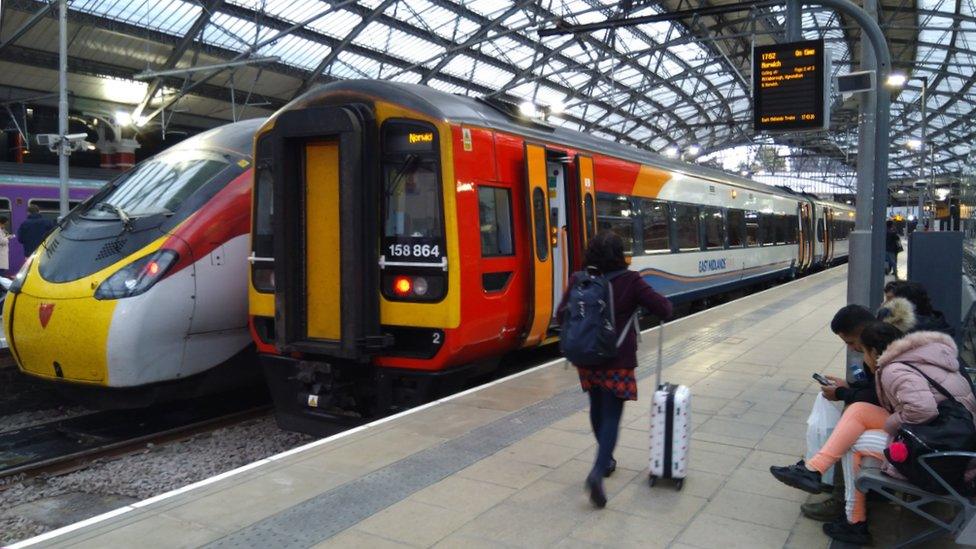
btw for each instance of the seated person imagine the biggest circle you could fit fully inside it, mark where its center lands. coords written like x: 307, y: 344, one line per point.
x: 847, y: 325
x: 865, y: 429
x: 927, y: 319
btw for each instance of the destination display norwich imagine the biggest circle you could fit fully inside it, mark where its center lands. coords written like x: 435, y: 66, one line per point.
x: 788, y: 86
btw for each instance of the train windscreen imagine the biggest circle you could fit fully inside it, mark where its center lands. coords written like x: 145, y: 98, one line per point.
x: 159, y: 185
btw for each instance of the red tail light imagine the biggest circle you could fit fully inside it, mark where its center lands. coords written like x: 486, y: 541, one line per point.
x: 402, y: 286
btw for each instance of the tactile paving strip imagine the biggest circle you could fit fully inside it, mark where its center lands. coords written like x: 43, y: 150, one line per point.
x: 325, y: 515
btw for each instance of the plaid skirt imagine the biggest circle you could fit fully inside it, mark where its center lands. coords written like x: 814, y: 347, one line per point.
x: 620, y: 382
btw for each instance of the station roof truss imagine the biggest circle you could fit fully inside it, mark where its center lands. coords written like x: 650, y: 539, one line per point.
x: 679, y: 83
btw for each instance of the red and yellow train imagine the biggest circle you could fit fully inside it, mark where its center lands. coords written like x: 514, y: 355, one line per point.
x: 405, y: 239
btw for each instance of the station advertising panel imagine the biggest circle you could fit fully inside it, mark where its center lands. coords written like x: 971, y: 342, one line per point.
x: 790, y: 87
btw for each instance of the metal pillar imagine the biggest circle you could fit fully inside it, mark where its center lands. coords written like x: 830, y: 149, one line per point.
x: 794, y: 21
x: 923, y: 147
x: 63, y: 145
x: 865, y: 275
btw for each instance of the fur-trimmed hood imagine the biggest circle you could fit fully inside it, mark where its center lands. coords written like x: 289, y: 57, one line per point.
x: 934, y: 348
x: 900, y: 313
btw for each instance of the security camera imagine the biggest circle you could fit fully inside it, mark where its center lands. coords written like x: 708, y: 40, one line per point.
x: 47, y: 139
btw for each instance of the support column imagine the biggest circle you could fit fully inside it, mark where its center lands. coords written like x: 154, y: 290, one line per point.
x: 63, y: 146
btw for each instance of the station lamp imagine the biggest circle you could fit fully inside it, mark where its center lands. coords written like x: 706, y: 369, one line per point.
x: 694, y: 150
x: 914, y: 144
x: 896, y: 80
x: 901, y: 191
x: 671, y: 152
x: 529, y: 109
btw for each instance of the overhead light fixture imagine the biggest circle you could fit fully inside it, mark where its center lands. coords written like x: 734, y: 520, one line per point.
x: 671, y: 152
x: 911, y: 217
x: 140, y: 121
x: 557, y: 108
x: 942, y: 193
x: 694, y: 150
x: 901, y: 191
x: 123, y: 118
x: 528, y: 108
x: 896, y: 80
x: 914, y: 144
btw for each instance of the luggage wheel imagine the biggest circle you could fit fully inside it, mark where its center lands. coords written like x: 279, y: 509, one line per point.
x: 679, y: 483
x: 651, y: 480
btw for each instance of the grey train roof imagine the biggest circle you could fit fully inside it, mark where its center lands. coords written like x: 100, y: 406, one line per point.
x: 466, y: 110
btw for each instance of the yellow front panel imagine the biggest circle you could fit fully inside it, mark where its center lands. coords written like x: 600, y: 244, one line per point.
x: 322, y: 274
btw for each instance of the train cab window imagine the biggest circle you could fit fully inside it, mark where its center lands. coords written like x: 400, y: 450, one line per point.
x: 654, y: 216
x: 540, y: 215
x: 495, y: 218
x: 753, y: 232
x: 686, y: 226
x: 714, y: 222
x: 50, y: 209
x: 737, y: 227
x: 616, y: 213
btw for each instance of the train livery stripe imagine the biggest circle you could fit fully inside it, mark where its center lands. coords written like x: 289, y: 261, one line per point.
x: 740, y: 273
x: 650, y: 181
x: 322, y: 289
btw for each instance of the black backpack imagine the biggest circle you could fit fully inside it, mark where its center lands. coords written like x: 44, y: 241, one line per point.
x: 588, y: 335
x: 951, y: 431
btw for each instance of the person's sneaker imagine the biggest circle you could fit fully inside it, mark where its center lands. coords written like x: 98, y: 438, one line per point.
x: 610, y: 468
x: 824, y: 511
x: 798, y: 476
x: 597, y: 496
x: 841, y: 530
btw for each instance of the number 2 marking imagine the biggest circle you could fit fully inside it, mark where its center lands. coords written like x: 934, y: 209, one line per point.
x: 437, y: 338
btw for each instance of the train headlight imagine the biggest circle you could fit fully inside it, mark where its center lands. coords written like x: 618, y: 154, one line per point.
x: 420, y: 286
x: 137, y: 277
x: 18, y: 281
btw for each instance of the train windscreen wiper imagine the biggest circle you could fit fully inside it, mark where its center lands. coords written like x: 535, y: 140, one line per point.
x: 123, y: 216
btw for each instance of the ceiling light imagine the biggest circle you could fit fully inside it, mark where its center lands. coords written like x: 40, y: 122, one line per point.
x: 914, y: 144
x: 694, y: 150
x: 123, y: 118
x: 557, y: 108
x: 671, y: 152
x: 529, y: 109
x: 896, y: 80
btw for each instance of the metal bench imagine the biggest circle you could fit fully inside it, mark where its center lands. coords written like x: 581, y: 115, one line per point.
x: 962, y: 525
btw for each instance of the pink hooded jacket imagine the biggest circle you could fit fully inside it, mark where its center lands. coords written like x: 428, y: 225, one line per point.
x: 912, y: 399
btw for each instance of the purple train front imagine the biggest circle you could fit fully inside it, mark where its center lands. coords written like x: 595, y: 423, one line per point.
x: 24, y: 184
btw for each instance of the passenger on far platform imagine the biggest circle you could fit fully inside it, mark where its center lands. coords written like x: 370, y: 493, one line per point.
x: 847, y: 325
x: 611, y: 384
x: 900, y: 364
x: 4, y: 246
x: 33, y: 230
x: 892, y: 249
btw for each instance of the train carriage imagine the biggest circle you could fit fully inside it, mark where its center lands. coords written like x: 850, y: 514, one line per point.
x: 404, y: 239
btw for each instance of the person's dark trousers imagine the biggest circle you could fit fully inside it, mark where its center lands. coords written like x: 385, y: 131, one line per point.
x: 605, y: 412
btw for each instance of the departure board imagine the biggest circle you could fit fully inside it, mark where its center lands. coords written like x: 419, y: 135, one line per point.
x: 788, y: 86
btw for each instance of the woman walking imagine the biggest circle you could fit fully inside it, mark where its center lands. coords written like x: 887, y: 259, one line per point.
x: 612, y: 383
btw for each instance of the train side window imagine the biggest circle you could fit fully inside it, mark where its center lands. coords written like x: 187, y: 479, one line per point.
x: 714, y: 223
x: 495, y: 217
x: 781, y: 222
x: 753, y: 233
x: 541, y: 215
x: 820, y: 231
x: 5, y: 212
x: 51, y: 209
x: 686, y: 223
x: 588, y: 211
x: 737, y: 220
x: 792, y: 228
x: 655, y: 215
x: 615, y: 212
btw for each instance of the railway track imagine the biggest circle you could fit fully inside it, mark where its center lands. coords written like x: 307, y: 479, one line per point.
x: 66, y: 445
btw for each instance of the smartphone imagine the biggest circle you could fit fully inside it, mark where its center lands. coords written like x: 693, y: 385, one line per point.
x: 822, y: 380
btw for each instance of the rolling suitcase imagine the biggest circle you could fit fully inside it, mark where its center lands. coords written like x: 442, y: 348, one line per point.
x: 670, y: 426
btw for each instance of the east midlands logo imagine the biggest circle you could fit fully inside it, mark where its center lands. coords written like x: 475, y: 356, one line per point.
x: 44, y: 312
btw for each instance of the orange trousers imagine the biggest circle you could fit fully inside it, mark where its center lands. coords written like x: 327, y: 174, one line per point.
x: 859, y: 433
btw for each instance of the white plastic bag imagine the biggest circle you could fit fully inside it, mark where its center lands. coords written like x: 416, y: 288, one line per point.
x: 823, y: 418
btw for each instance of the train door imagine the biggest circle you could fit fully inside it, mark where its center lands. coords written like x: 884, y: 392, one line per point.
x: 587, y: 201
x: 327, y: 272
x: 558, y: 228
x: 537, y: 197
x: 806, y: 237
x: 828, y: 235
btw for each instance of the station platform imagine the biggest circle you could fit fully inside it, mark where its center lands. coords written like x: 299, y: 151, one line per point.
x: 503, y: 465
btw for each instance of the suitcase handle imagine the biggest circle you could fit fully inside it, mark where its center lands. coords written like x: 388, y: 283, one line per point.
x: 660, y: 352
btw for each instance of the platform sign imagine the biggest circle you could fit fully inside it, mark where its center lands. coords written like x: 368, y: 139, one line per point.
x: 790, y: 87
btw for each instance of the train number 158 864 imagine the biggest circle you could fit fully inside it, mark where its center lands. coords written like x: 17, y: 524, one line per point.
x: 415, y: 250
